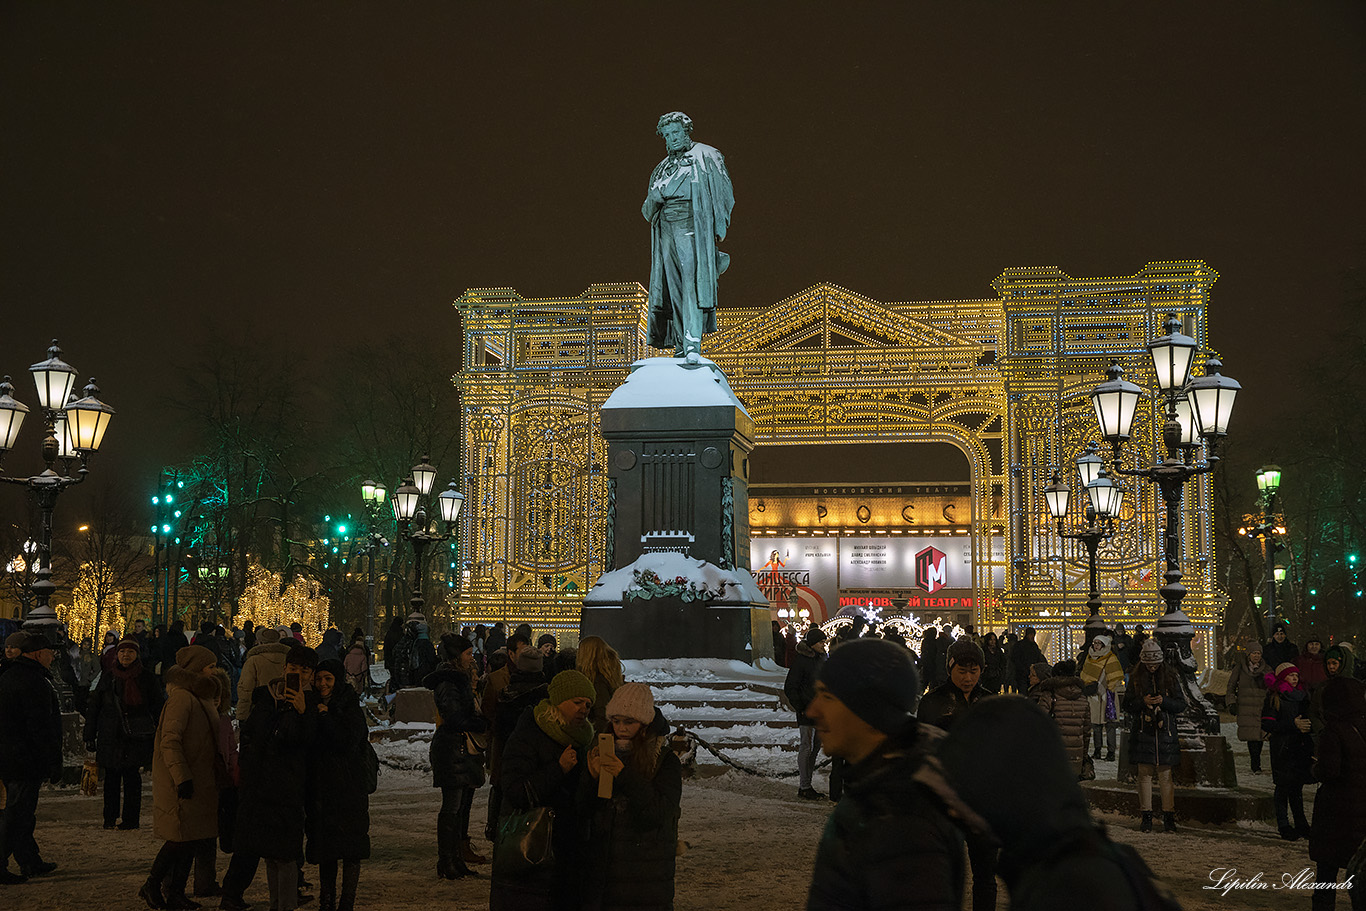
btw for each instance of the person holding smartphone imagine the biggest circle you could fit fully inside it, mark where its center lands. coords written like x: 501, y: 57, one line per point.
x: 633, y: 835
x: 274, y: 763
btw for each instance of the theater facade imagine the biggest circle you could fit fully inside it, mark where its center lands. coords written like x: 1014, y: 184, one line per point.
x: 902, y: 448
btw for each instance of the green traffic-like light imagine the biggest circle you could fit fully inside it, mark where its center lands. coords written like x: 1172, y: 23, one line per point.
x: 341, y: 529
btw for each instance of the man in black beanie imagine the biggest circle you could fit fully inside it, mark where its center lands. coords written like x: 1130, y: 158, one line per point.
x: 940, y: 707
x: 889, y: 842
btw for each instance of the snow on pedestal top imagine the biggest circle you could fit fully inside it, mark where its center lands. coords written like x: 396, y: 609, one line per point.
x: 664, y: 382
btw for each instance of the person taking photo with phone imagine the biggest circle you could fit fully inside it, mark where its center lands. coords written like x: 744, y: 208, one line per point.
x: 274, y: 761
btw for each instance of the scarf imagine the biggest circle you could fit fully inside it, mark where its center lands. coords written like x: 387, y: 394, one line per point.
x: 549, y: 719
x: 132, y: 693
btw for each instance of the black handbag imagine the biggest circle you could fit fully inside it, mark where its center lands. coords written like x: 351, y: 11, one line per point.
x: 137, y: 725
x: 525, y: 842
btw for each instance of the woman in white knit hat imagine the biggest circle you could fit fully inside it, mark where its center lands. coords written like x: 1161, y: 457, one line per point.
x: 634, y: 833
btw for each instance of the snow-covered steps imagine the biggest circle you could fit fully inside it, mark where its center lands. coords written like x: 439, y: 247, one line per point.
x: 735, y: 707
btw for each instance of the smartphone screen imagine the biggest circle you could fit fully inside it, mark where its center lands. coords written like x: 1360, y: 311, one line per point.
x: 293, y: 683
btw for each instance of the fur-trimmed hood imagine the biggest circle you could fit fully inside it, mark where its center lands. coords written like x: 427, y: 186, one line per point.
x: 1066, y: 687
x: 200, y: 687
x: 269, y: 648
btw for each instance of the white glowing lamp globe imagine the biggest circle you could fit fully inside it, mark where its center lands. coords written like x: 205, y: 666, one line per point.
x: 1056, y: 495
x: 406, y: 499
x: 1106, y: 496
x: 12, y: 413
x: 1172, y: 355
x: 450, y: 500
x: 1115, y: 402
x: 424, y: 475
x: 87, y: 419
x: 53, y: 379
x: 1211, y: 399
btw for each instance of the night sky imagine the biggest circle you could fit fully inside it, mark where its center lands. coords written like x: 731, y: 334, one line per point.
x: 329, y: 173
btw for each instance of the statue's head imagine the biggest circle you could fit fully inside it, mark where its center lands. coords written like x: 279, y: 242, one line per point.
x: 676, y: 128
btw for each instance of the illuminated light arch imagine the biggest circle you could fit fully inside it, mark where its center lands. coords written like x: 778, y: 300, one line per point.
x: 1006, y: 380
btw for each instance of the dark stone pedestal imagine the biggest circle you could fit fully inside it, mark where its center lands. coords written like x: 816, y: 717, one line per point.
x: 1215, y: 806
x: 671, y: 628
x: 678, y: 443
x: 1205, y: 760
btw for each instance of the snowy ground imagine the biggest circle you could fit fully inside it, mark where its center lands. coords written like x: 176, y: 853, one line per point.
x: 751, y: 845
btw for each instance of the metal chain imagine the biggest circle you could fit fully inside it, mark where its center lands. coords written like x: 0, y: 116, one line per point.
x: 738, y: 765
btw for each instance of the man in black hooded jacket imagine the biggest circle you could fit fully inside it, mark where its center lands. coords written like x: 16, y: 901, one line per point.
x: 1053, y: 855
x: 889, y: 844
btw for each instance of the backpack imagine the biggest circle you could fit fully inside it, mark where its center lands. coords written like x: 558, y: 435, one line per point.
x: 370, y: 762
x: 355, y: 663
x: 1151, y: 894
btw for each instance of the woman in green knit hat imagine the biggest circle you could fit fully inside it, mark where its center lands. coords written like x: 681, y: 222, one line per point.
x: 542, y: 763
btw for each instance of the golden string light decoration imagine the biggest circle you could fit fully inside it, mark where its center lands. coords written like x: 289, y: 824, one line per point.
x: 266, y: 602
x: 85, y: 616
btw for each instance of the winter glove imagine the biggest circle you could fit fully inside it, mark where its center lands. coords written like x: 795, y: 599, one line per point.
x: 56, y: 775
x: 185, y: 790
x: 1090, y: 689
x: 90, y: 746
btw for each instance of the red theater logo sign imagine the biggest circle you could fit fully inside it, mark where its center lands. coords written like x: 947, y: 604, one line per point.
x: 931, y: 569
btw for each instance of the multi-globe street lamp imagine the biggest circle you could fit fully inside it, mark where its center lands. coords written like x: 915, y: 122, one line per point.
x: 1268, y: 527
x: 73, y: 429
x: 1197, y: 411
x: 411, y: 513
x: 1104, y: 497
x: 372, y: 495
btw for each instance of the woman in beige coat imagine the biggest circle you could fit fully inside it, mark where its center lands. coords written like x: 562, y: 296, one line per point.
x: 184, y: 784
x: 1246, y: 693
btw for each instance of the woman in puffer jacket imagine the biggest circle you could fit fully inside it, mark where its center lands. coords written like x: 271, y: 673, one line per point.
x: 1246, y: 693
x: 1059, y: 693
x: 633, y: 834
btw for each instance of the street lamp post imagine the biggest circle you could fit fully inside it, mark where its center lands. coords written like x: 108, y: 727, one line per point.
x: 411, y: 513
x: 372, y: 495
x: 1267, y: 526
x: 1196, y: 410
x: 1104, y: 497
x: 73, y: 429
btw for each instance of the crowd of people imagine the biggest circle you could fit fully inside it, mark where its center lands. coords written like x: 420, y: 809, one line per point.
x: 262, y: 752
x: 1309, y: 704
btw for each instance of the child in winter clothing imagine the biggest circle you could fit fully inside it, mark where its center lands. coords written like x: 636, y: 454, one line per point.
x: 1153, y: 702
x: 1102, y: 675
x: 1285, y: 716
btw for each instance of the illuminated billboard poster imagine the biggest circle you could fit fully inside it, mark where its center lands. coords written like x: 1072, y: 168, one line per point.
x: 923, y: 563
x: 810, y: 565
